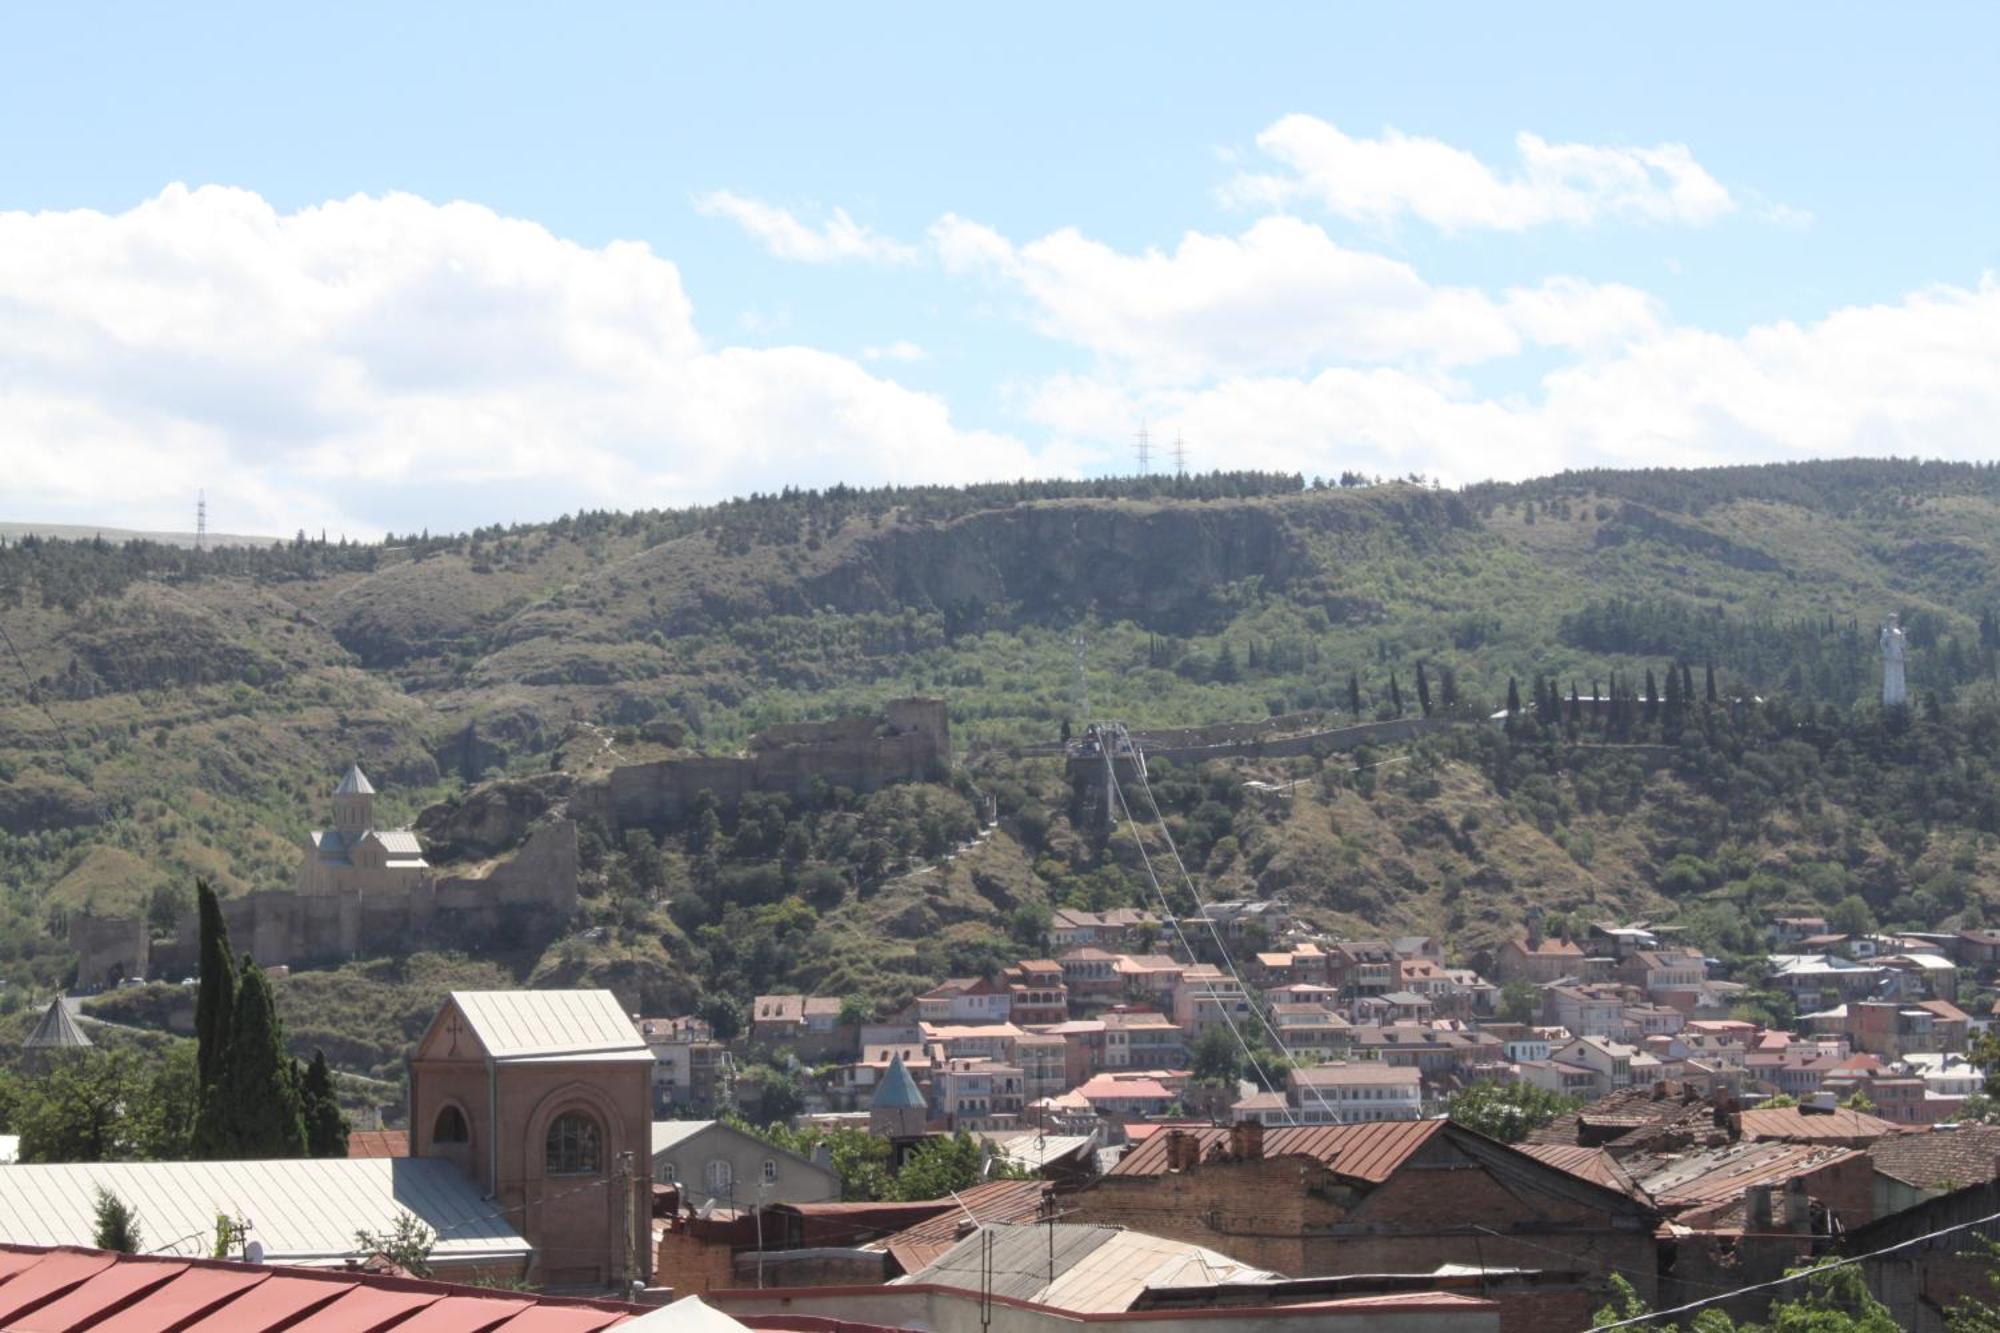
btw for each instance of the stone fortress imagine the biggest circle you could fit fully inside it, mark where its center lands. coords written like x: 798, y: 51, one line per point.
x: 360, y: 892
x: 364, y: 892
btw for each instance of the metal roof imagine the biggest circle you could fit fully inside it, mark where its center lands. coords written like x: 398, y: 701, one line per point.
x: 1371, y: 1152
x: 525, y: 1024
x: 58, y: 1289
x: 56, y: 1029
x: 1084, y: 1269
x: 1723, y: 1174
x: 356, y: 783
x: 989, y: 1202
x: 897, y: 1088
x: 303, y: 1210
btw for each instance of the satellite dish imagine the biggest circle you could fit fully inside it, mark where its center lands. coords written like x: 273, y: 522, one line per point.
x: 253, y: 1252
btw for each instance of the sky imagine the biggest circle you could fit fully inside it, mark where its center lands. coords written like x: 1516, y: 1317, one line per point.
x: 368, y: 268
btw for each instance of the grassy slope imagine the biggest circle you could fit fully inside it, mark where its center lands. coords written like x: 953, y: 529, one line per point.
x: 521, y: 635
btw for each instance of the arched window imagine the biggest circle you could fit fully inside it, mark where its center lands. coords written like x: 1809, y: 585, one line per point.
x: 450, y: 1127
x: 720, y: 1177
x: 770, y: 1170
x: 574, y: 1146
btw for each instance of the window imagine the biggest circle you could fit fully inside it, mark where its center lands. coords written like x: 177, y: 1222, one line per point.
x: 770, y: 1170
x: 720, y: 1177
x: 670, y: 1173
x: 450, y: 1127
x: 574, y: 1147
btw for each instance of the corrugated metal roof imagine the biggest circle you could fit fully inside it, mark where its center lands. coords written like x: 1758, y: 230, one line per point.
x: 1723, y: 1174
x: 1096, y: 1269
x: 994, y: 1201
x: 517, y: 1024
x: 302, y: 1210
x: 671, y: 1133
x: 1369, y: 1152
x: 1592, y: 1164
x: 1837, y: 1126
x: 53, y: 1290
x: 378, y: 1143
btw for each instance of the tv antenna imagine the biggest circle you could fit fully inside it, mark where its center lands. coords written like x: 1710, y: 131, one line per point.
x: 1145, y: 439
x: 201, y: 520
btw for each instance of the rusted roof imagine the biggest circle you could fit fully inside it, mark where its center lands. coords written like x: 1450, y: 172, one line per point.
x: 1592, y: 1164
x: 1793, y: 1125
x: 67, y: 1288
x: 378, y: 1143
x: 1368, y: 1152
x: 1722, y: 1174
x: 992, y: 1201
x: 1940, y: 1158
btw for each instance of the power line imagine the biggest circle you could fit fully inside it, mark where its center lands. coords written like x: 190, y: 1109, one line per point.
x: 1180, y: 456
x: 1118, y: 793
x: 1827, y: 1267
x: 1145, y: 439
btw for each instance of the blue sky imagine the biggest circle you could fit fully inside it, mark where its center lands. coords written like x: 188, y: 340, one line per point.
x: 1309, y: 237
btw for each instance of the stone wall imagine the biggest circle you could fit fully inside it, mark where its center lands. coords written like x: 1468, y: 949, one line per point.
x: 909, y: 741
x: 523, y: 899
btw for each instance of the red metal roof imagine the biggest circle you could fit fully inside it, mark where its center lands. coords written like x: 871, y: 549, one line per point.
x: 1369, y: 1152
x: 109, y: 1289
x: 55, y: 1289
x: 378, y: 1143
x: 364, y: 1307
x: 194, y: 1293
x: 34, y: 1285
x: 459, y: 1314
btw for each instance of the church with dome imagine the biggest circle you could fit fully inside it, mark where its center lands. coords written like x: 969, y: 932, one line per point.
x: 355, y: 856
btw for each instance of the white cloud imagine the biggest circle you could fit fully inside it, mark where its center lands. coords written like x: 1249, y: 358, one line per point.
x: 840, y: 237
x: 1380, y: 180
x: 1921, y: 377
x: 1284, y: 295
x: 900, y: 350
x: 390, y: 362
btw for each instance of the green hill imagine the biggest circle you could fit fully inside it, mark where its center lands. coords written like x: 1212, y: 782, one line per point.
x: 167, y: 712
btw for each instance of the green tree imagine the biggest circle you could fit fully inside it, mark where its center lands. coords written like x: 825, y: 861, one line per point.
x: 1520, y: 998
x: 407, y: 1244
x: 326, y: 1124
x: 1508, y: 1112
x: 1423, y: 690
x: 938, y: 1168
x: 76, y: 1111
x: 1216, y: 1057
x: 117, y: 1226
x: 215, y: 997
x: 257, y: 1101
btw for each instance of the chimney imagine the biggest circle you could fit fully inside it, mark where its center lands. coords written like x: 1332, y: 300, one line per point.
x: 1183, y: 1150
x: 1246, y: 1141
x: 1798, y: 1208
x: 1757, y: 1208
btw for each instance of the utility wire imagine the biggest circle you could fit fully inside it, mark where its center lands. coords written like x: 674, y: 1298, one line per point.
x: 1801, y: 1275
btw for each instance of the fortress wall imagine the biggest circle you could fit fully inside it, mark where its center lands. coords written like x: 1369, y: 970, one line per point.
x: 909, y: 741
x: 528, y: 896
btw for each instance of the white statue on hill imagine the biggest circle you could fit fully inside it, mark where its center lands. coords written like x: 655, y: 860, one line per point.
x: 1895, y: 692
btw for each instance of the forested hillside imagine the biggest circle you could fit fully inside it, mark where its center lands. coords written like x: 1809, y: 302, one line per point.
x: 166, y: 713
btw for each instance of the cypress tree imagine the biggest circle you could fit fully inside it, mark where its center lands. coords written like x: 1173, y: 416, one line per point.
x: 1687, y: 684
x: 1447, y: 688
x: 1395, y: 694
x: 326, y: 1126
x: 258, y: 1094
x: 215, y: 998
x: 1513, y: 703
x: 1423, y: 690
x: 1652, y: 698
x: 1712, y: 696
x: 1354, y: 694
